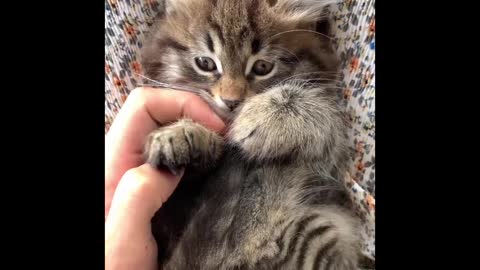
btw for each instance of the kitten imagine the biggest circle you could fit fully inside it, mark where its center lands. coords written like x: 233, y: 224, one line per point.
x: 269, y: 195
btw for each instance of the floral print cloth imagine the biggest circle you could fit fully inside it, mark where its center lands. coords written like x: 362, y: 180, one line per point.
x: 355, y: 42
x: 127, y: 22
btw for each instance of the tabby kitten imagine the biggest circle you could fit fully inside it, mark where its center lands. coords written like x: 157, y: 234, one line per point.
x: 269, y: 195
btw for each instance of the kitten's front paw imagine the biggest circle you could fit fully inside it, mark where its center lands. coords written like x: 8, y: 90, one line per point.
x: 181, y: 144
x: 286, y: 122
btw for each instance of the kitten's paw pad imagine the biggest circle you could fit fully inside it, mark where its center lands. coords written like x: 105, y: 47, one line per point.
x: 181, y: 144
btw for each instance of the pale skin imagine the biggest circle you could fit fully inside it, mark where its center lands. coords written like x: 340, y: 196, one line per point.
x: 134, y: 191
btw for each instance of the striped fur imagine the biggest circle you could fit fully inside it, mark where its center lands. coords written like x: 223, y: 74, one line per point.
x: 268, y: 195
x: 258, y: 219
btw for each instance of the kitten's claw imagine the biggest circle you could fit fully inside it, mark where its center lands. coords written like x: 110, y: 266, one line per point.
x: 181, y: 144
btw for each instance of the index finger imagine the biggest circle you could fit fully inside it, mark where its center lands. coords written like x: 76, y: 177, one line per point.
x: 143, y: 110
x: 145, y: 107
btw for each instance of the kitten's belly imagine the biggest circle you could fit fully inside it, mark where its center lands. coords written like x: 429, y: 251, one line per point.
x: 239, y: 215
x: 189, y: 198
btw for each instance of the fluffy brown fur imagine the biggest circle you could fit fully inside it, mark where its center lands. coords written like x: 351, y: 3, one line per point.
x: 269, y: 195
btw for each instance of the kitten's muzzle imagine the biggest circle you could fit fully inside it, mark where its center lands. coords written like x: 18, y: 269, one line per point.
x: 231, y: 104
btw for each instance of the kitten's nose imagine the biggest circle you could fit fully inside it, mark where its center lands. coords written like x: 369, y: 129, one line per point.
x: 232, y: 104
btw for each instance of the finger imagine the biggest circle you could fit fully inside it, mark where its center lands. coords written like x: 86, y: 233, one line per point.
x: 129, y: 243
x: 143, y: 110
x: 140, y: 193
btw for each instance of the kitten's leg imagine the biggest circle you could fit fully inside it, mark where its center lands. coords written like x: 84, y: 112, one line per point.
x: 289, y: 121
x: 183, y: 143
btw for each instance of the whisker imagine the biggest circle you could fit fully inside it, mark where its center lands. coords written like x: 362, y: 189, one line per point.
x: 323, y: 81
x: 173, y: 86
x: 286, y: 50
x: 311, y: 73
x: 148, y: 79
x: 298, y: 30
x: 202, y: 93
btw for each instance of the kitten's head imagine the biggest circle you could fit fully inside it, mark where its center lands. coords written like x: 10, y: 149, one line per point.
x: 236, y: 49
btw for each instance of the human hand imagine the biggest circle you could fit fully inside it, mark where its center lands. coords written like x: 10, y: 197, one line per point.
x: 143, y: 111
x: 134, y: 191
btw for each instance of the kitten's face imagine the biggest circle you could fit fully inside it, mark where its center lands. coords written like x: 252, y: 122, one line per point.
x: 235, y: 49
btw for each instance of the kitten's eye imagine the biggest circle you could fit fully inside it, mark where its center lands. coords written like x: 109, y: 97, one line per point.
x: 205, y: 63
x: 262, y: 67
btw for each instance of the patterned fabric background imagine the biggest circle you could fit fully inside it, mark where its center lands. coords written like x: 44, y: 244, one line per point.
x: 127, y: 22
x: 355, y: 43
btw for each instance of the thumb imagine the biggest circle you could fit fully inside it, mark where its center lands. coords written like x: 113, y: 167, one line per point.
x: 141, y: 192
x: 129, y: 242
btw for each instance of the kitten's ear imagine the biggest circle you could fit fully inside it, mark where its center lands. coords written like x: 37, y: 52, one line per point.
x: 323, y: 26
x: 303, y: 11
